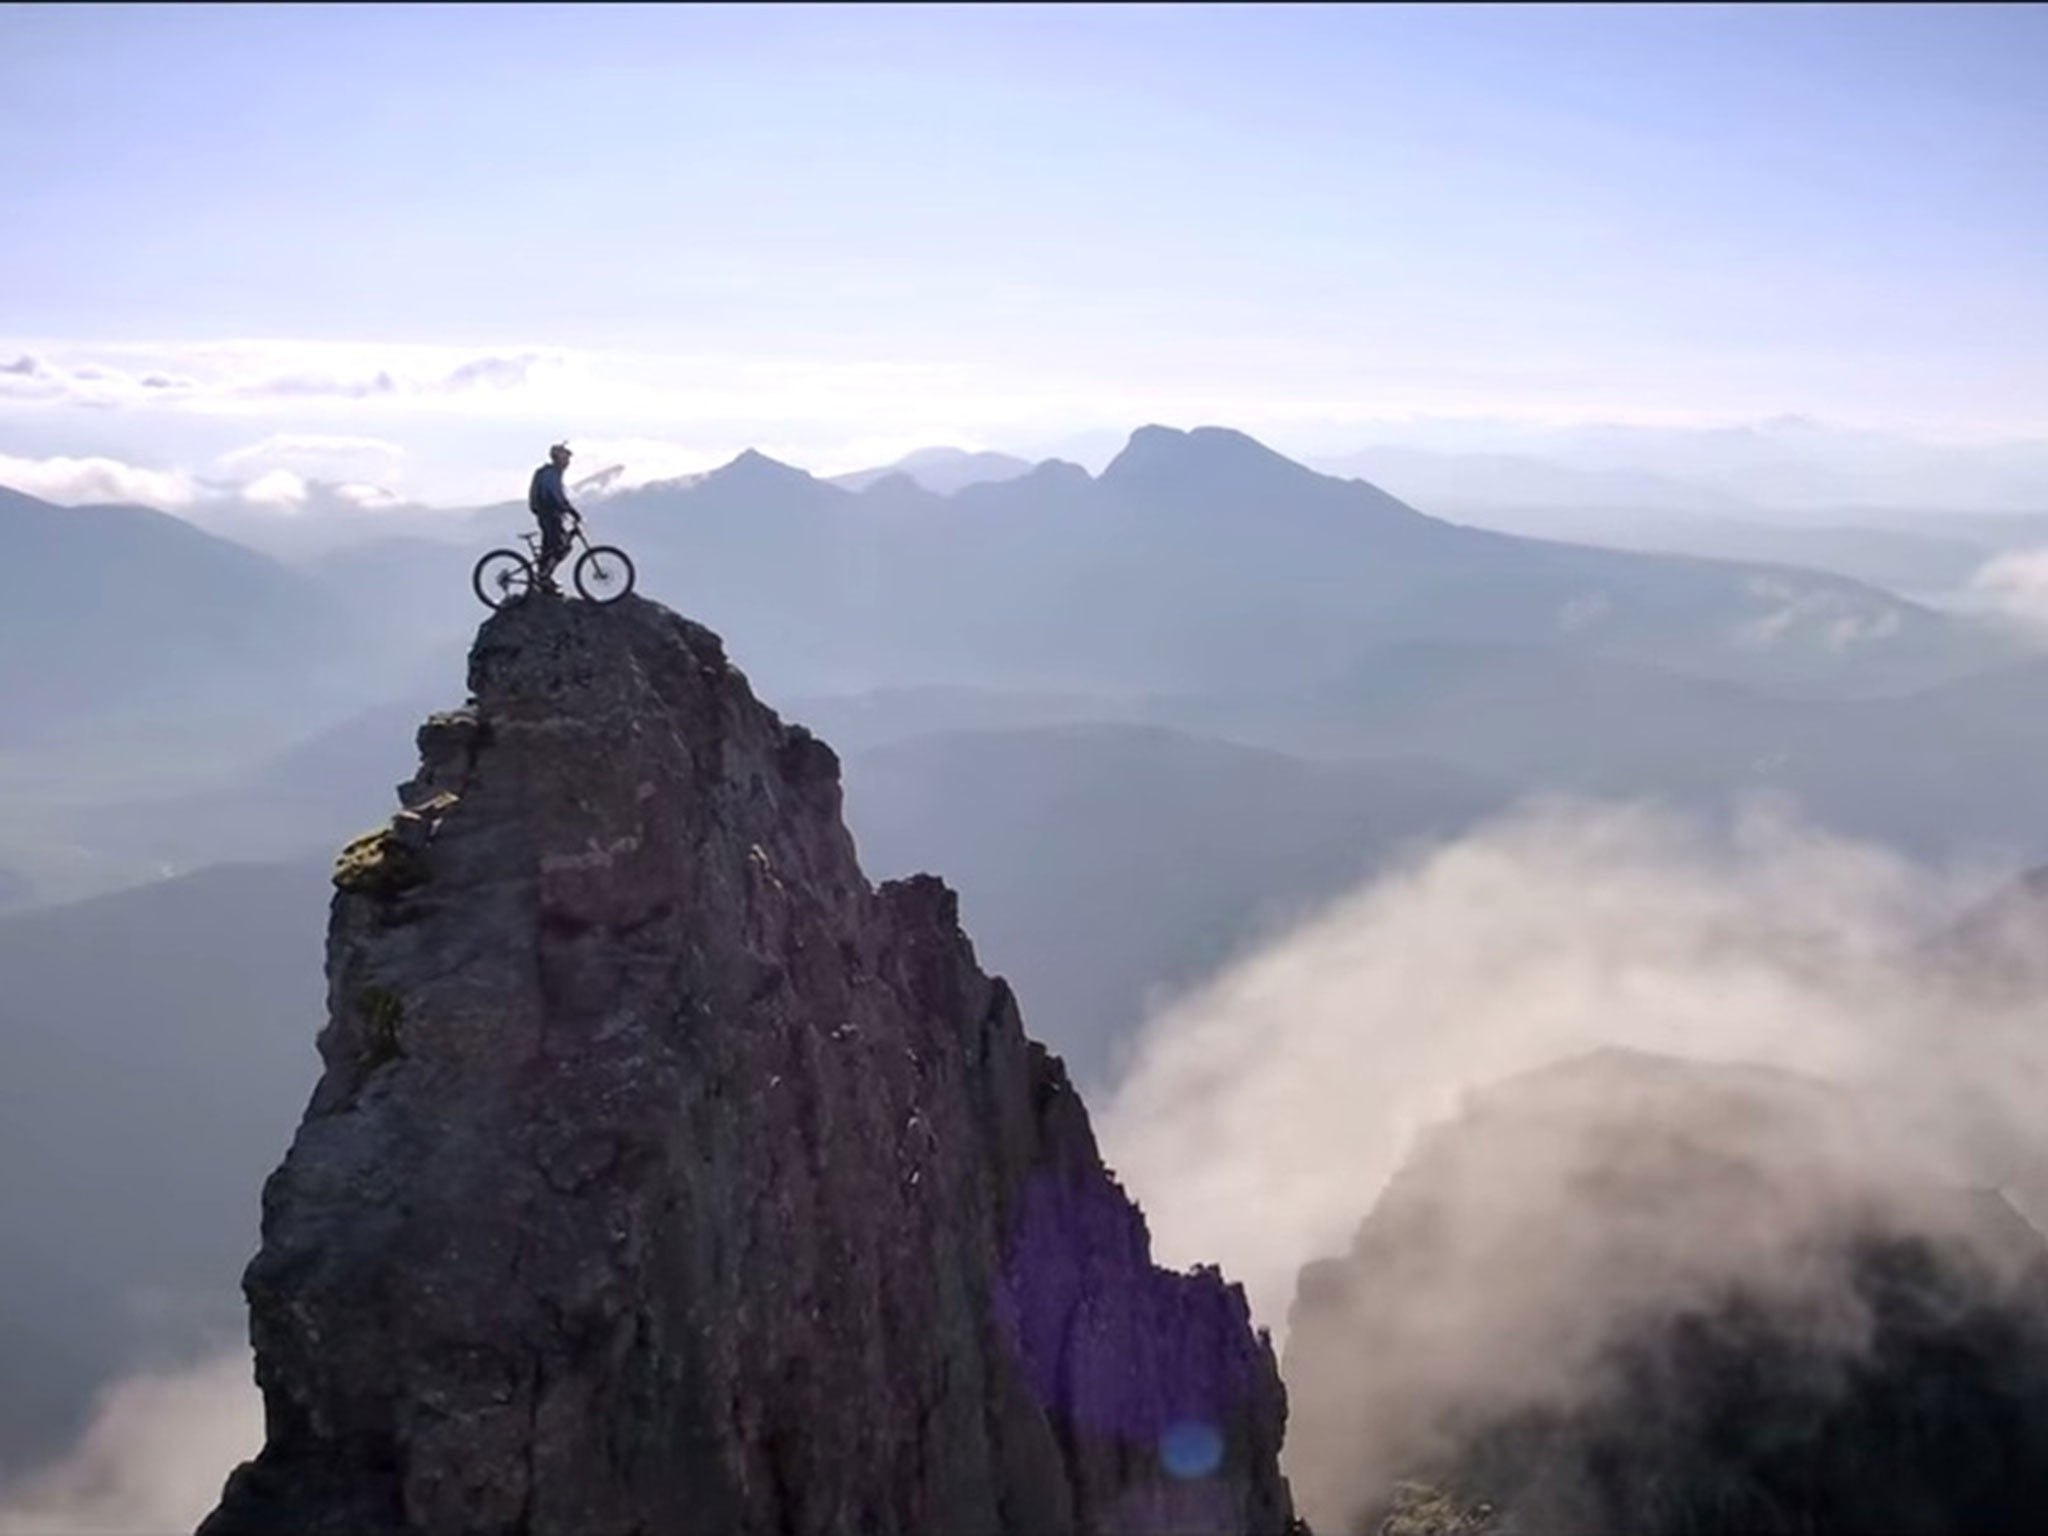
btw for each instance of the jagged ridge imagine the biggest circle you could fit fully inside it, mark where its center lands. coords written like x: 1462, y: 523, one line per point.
x: 666, y: 1177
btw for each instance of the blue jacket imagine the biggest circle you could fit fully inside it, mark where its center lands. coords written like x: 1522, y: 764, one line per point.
x: 545, y: 498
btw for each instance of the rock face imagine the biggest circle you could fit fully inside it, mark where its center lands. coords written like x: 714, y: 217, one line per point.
x: 665, y: 1177
x: 1643, y: 1296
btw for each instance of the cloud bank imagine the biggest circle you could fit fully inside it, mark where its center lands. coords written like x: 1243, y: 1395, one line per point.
x: 284, y: 473
x: 153, y: 1459
x: 1264, y: 1112
x: 74, y: 482
x: 234, y: 375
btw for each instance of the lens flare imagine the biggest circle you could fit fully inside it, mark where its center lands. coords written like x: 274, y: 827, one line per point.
x: 1191, y: 1449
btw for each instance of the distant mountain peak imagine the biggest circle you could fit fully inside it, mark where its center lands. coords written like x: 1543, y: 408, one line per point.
x: 931, y: 458
x: 753, y: 466
x: 941, y: 470
x: 1046, y: 471
x: 1168, y: 451
x: 895, y: 485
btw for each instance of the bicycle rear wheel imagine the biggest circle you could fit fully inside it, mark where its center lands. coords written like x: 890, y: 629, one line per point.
x: 500, y: 576
x: 604, y: 574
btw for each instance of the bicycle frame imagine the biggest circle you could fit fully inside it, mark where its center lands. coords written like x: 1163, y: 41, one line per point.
x: 533, y: 541
x: 608, y: 579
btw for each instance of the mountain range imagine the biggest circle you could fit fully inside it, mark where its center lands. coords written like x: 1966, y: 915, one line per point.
x: 1142, y: 718
x: 1200, y: 583
x: 1202, y: 559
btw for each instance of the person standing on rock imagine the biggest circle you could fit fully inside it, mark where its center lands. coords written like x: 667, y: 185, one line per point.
x: 549, y: 504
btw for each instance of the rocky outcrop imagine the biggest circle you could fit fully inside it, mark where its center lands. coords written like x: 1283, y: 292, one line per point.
x: 665, y: 1177
x: 1638, y: 1295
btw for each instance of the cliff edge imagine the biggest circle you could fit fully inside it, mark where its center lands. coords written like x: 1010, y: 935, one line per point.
x: 665, y: 1177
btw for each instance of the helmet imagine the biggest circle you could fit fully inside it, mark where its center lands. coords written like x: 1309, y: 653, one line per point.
x: 559, y: 453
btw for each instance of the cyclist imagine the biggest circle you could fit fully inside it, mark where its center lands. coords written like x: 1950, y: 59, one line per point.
x: 549, y: 504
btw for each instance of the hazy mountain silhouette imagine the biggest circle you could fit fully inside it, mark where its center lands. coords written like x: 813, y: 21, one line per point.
x: 1284, y: 678
x: 125, y: 609
x: 1906, y: 561
x: 1940, y: 773
x: 941, y: 471
x: 299, y: 803
x: 1202, y: 559
x: 411, y: 602
x: 1450, y: 484
x: 325, y: 517
x: 1196, y: 561
x: 1789, y: 463
x: 1102, y: 865
x: 155, y: 1048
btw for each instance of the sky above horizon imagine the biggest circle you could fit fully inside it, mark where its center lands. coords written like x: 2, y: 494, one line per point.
x: 406, y: 246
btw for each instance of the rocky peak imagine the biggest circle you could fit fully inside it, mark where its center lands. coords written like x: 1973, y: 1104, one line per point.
x: 664, y: 1176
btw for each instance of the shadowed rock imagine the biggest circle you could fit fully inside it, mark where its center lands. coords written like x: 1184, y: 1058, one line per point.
x: 665, y: 1177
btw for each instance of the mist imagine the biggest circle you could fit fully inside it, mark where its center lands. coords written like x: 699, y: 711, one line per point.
x: 154, y: 1457
x: 2015, y: 585
x: 1265, y: 1110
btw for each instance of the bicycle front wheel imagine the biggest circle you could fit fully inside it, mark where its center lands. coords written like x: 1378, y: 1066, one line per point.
x: 501, y: 576
x: 604, y: 574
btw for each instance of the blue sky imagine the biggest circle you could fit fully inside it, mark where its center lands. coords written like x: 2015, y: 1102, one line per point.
x: 842, y: 231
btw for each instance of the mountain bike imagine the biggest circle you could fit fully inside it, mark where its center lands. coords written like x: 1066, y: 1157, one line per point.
x: 601, y: 574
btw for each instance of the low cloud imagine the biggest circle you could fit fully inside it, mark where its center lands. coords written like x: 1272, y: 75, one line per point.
x: 153, y: 1459
x: 371, y: 498
x: 605, y: 466
x: 94, y: 481
x: 280, y: 490
x: 2015, y: 585
x: 1834, y: 619
x: 1264, y: 1112
x: 310, y: 451
x: 265, y: 491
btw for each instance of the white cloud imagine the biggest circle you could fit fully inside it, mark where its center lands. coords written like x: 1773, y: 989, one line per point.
x: 1835, y: 618
x: 297, y: 450
x: 239, y: 376
x: 85, y: 482
x: 1584, y: 611
x: 234, y: 506
x: 626, y: 463
x: 279, y: 489
x: 154, y: 1458
x: 372, y: 498
x: 1264, y: 1111
x: 2015, y: 584
x: 841, y: 407
x: 471, y: 375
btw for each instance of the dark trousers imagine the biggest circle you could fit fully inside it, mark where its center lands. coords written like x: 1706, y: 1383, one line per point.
x: 554, y: 543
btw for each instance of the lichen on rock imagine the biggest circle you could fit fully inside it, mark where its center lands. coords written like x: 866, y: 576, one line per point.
x: 378, y: 863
